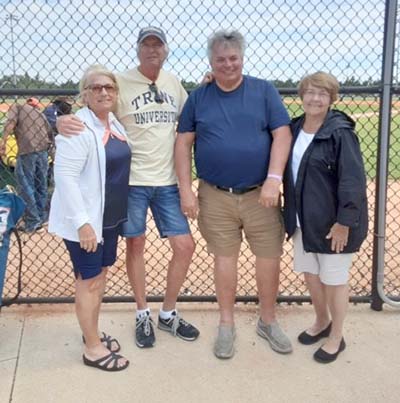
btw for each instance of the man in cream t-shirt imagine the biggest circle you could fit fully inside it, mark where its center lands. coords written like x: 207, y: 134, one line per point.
x: 150, y: 124
x: 150, y: 102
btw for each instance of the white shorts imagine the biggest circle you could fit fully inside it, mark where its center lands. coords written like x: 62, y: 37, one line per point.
x: 332, y: 269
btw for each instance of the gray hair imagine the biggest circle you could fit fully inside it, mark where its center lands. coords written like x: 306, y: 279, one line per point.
x: 229, y: 38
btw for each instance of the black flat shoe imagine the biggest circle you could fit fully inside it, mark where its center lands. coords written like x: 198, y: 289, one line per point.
x: 325, y: 358
x: 307, y: 339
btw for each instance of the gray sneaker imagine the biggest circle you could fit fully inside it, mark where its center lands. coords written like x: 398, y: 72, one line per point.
x: 278, y: 340
x: 178, y: 327
x: 224, y: 344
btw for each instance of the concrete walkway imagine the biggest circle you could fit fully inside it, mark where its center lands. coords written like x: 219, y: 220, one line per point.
x: 40, y: 360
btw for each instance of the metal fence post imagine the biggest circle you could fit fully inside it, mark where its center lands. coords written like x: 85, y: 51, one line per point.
x: 383, y: 152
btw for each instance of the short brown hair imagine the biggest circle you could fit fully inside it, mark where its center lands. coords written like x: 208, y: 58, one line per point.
x: 323, y: 80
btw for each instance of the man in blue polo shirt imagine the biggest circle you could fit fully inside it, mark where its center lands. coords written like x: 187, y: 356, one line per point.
x: 239, y: 128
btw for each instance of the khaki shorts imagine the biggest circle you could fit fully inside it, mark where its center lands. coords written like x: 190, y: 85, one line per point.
x: 223, y: 217
x: 332, y: 269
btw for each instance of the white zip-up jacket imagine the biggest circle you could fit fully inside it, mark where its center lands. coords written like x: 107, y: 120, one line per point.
x: 79, y: 174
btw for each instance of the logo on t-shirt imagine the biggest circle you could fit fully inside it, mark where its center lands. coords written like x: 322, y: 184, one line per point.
x: 148, y: 97
x: 157, y: 114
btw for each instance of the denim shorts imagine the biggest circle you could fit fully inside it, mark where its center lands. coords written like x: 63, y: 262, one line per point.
x: 90, y: 264
x: 164, y: 203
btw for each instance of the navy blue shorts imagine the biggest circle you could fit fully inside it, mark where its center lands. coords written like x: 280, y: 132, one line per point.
x: 164, y: 203
x: 90, y: 264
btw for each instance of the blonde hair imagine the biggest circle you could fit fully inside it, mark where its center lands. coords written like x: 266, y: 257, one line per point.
x: 322, y: 80
x: 95, y: 70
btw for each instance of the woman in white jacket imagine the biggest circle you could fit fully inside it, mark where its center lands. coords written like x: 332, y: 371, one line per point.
x: 89, y: 205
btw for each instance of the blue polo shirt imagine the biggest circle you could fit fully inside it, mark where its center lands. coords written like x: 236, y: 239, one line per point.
x: 233, y: 131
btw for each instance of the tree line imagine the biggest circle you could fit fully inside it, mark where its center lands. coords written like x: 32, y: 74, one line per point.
x: 25, y: 81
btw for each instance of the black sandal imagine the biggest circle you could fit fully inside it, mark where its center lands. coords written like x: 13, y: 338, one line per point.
x: 103, y: 363
x: 108, y: 341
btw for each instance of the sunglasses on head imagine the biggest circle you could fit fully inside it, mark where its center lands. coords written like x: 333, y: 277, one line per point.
x: 157, y: 96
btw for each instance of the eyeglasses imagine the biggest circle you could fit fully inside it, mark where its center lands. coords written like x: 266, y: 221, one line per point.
x: 157, y: 96
x: 319, y: 94
x: 98, y: 89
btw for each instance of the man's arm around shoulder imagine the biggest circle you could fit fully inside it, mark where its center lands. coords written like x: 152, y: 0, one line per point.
x: 69, y: 125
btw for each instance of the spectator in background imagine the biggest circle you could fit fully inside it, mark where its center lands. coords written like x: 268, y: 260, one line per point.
x: 59, y: 107
x: 33, y: 135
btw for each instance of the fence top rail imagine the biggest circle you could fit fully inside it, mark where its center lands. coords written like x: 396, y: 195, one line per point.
x: 283, y: 91
x: 36, y: 91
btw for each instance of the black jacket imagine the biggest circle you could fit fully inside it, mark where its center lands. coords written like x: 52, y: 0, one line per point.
x: 330, y: 186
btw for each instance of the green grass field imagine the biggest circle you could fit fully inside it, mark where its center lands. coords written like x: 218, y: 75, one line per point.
x: 365, y: 113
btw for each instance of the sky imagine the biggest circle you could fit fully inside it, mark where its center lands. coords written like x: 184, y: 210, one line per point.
x: 285, y: 39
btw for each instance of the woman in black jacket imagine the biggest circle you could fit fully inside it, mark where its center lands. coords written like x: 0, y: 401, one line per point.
x: 325, y: 208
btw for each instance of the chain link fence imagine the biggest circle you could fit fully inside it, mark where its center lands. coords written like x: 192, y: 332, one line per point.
x: 46, y: 46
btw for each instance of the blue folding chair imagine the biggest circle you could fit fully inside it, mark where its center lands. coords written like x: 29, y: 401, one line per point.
x: 11, y: 209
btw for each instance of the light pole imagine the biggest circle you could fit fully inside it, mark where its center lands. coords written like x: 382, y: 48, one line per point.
x: 11, y: 18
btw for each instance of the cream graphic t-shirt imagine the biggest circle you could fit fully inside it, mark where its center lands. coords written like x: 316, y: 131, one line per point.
x: 150, y: 125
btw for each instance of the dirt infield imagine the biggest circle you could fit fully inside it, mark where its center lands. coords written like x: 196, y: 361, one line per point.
x: 47, y: 269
